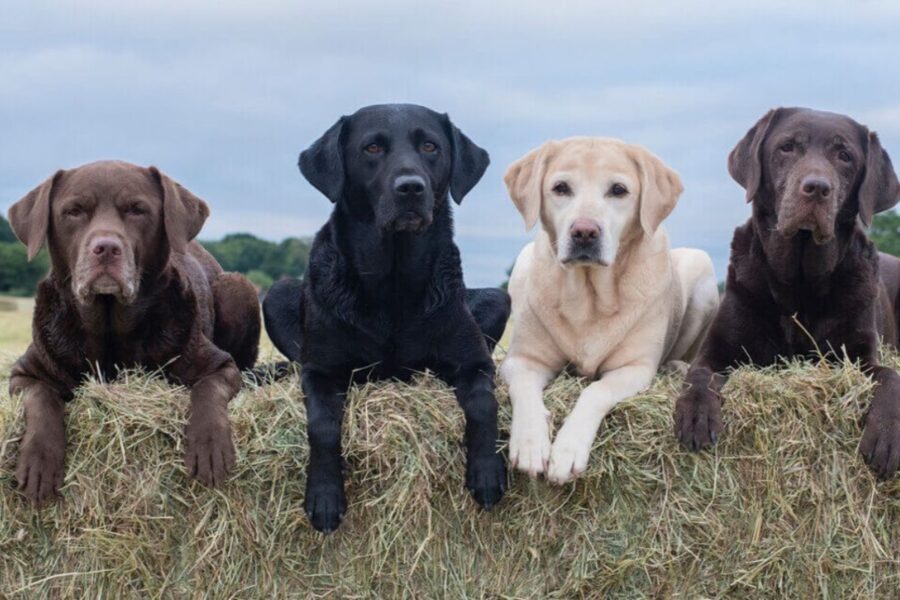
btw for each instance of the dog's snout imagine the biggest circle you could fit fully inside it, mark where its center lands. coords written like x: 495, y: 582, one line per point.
x: 409, y: 186
x: 584, y: 230
x: 815, y: 187
x: 106, y: 247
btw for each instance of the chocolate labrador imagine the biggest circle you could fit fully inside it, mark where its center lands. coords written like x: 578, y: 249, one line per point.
x: 803, y: 275
x: 128, y: 287
x: 384, y: 296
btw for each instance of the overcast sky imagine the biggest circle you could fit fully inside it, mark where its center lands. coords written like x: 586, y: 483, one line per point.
x: 223, y: 95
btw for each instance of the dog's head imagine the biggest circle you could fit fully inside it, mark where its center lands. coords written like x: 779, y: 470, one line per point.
x: 812, y: 171
x: 592, y: 195
x: 393, y: 163
x: 106, y: 224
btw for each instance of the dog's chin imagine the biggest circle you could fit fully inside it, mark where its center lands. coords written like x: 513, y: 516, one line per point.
x: 409, y: 222
x: 106, y: 285
x: 806, y: 231
x: 583, y: 259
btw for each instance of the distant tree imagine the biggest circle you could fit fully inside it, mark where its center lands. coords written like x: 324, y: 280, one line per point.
x: 505, y: 284
x: 244, y: 253
x: 18, y: 277
x: 6, y: 232
x: 260, y: 279
x: 885, y: 232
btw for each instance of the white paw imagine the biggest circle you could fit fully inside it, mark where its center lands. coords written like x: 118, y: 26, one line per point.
x: 529, y: 445
x: 570, y: 452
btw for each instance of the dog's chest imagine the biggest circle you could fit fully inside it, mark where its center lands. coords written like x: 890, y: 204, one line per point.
x: 589, y: 338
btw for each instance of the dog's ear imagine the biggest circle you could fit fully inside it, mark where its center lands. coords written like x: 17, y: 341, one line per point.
x: 183, y: 212
x: 468, y: 162
x: 30, y: 216
x: 745, y: 160
x: 323, y: 162
x: 660, y: 189
x: 879, y: 189
x: 525, y: 181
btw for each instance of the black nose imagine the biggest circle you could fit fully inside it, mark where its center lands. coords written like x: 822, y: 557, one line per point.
x: 409, y: 186
x: 813, y: 186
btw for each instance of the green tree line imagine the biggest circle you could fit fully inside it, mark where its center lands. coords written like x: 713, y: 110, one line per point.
x: 262, y: 261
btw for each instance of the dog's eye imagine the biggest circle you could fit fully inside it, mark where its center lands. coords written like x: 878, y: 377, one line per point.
x: 562, y: 189
x: 618, y: 190
x: 429, y: 147
x: 135, y: 210
x: 787, y: 147
x: 845, y: 156
x: 374, y: 149
x: 74, y: 211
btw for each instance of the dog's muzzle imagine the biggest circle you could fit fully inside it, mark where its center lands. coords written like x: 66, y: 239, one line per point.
x: 105, y: 268
x: 409, y: 220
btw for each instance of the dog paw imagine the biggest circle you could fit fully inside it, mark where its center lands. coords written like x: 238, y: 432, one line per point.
x: 529, y: 446
x: 325, y: 504
x: 570, y: 453
x: 486, y: 479
x: 880, y: 444
x: 698, y: 419
x: 209, y: 452
x: 40, y: 469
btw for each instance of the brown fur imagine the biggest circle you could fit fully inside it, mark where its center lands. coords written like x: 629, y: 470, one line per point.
x: 803, y: 275
x: 128, y: 287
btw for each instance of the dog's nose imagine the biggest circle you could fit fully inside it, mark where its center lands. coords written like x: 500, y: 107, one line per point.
x: 584, y: 230
x: 409, y: 186
x: 104, y: 247
x: 814, y: 186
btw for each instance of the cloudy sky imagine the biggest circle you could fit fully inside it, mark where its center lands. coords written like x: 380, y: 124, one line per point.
x: 223, y: 95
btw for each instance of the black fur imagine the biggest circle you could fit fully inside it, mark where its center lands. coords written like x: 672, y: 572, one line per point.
x: 384, y: 295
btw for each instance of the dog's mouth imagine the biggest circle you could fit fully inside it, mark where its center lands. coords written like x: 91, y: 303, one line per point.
x: 105, y: 281
x: 817, y: 220
x: 584, y: 257
x: 408, y: 221
x: 814, y: 231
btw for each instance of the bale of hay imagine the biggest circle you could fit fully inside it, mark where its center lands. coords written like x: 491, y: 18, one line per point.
x: 783, y: 507
x: 8, y: 305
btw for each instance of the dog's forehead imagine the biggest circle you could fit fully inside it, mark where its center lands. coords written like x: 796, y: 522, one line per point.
x: 106, y: 179
x: 593, y: 157
x: 822, y: 125
x: 395, y: 118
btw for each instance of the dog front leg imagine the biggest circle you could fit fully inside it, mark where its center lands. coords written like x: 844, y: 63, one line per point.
x: 880, y: 444
x: 529, y: 437
x: 572, y: 447
x: 40, y: 466
x: 209, y: 451
x: 485, y: 468
x: 325, y: 501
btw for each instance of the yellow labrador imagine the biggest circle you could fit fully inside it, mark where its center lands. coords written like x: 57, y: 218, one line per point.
x: 599, y: 290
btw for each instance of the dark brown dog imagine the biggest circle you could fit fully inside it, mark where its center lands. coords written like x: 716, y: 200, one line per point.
x: 803, y: 274
x: 128, y: 287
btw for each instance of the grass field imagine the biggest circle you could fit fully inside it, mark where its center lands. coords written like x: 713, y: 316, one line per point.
x: 15, y: 325
x: 784, y: 506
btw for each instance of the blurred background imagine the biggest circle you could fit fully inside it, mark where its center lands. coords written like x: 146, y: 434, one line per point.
x: 223, y: 96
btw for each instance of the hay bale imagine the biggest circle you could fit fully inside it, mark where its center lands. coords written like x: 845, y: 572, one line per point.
x: 8, y: 305
x: 784, y: 506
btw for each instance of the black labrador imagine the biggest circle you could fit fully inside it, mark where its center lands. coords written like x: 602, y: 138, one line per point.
x: 384, y: 295
x: 804, y: 276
